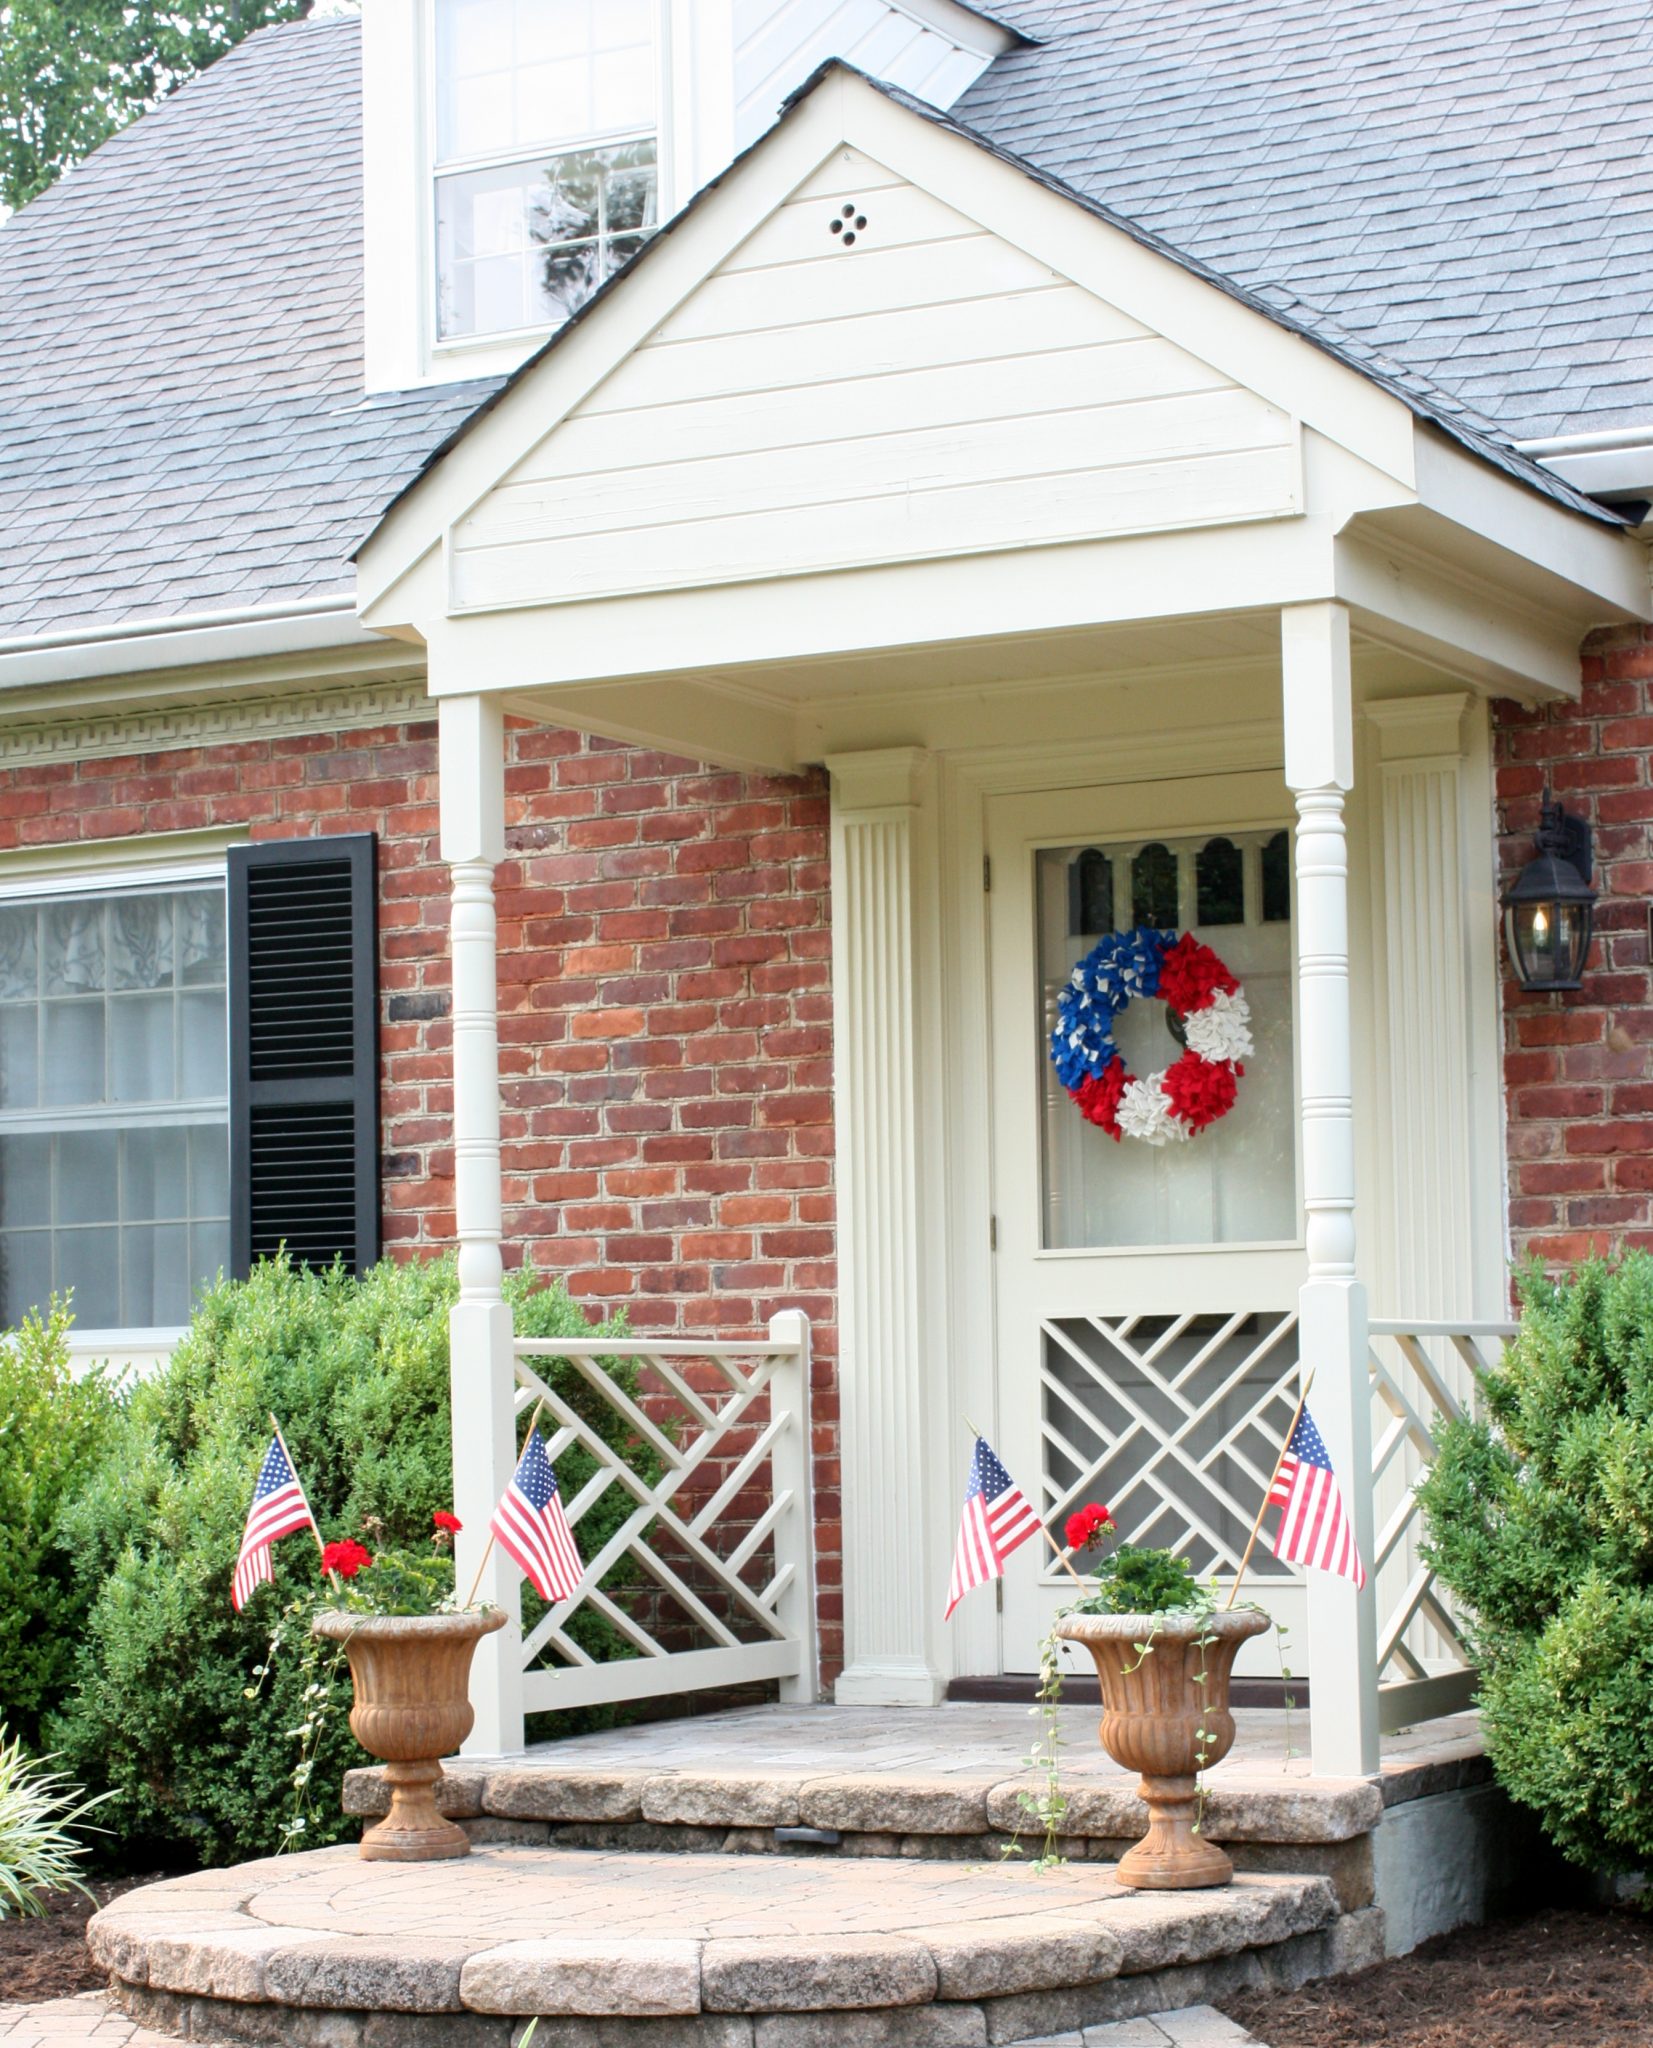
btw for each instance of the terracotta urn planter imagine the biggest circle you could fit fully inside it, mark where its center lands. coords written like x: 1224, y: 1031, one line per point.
x: 1152, y: 1710
x: 412, y: 1677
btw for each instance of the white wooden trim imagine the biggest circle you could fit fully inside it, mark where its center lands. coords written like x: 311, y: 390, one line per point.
x: 82, y: 867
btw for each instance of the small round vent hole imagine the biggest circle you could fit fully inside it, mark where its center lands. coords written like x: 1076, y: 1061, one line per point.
x: 847, y: 222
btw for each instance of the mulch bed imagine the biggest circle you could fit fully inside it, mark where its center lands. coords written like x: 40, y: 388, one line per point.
x: 48, y: 1958
x: 1563, y: 1979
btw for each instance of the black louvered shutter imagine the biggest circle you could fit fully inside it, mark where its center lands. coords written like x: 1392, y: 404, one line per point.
x: 304, y: 1051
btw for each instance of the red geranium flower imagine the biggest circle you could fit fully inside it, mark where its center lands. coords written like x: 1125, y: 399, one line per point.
x: 444, y: 1520
x: 1190, y: 974
x: 1084, y: 1526
x: 1098, y: 1097
x: 1199, y: 1090
x: 344, y: 1560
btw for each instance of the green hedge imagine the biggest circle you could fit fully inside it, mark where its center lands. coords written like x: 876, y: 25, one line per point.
x: 1540, y: 1520
x: 53, y: 1431
x: 357, y: 1371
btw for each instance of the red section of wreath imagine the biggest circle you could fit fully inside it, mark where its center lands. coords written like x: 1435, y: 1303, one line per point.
x: 1199, y: 1090
x: 1098, y: 1097
x: 1191, y: 974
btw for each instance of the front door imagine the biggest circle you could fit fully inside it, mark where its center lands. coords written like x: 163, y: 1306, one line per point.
x: 1146, y: 1348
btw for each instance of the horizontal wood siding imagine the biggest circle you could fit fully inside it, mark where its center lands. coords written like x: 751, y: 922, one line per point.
x: 779, y: 42
x: 932, y: 390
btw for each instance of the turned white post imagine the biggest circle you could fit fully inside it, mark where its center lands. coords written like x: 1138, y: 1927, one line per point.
x: 890, y: 1448
x: 482, y: 1368
x: 1319, y: 746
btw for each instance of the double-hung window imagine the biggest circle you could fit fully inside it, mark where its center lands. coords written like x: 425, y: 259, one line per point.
x: 546, y: 151
x: 114, y: 1102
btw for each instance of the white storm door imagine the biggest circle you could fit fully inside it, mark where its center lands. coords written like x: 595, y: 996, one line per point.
x: 1146, y: 1297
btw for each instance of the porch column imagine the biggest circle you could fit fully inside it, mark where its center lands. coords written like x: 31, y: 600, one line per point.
x: 882, y: 880
x: 1319, y: 748
x: 481, y: 1364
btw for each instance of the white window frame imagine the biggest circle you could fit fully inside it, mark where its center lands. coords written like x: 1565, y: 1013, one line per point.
x: 478, y: 353
x: 136, y: 1350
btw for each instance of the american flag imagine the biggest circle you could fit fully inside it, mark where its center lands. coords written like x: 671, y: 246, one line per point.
x: 530, y: 1526
x: 996, y: 1518
x: 1315, y: 1528
x: 278, y: 1508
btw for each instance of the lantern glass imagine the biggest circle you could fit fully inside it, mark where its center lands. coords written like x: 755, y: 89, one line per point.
x: 1548, y: 939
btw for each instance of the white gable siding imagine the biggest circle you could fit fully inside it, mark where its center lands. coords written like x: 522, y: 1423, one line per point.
x: 930, y: 391
x: 778, y: 43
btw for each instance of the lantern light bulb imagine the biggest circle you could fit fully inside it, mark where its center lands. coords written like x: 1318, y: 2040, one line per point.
x: 1541, y: 925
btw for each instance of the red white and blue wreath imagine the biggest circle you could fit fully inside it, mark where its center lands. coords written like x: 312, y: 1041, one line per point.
x: 1215, y: 1028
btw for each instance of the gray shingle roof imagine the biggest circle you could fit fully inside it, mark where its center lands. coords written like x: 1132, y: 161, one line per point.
x: 1465, y: 186
x: 181, y: 416
x: 1456, y: 193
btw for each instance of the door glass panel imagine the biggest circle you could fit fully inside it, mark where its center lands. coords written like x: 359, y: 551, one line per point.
x: 1236, y: 1182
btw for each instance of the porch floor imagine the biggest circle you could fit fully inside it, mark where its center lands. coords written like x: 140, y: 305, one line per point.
x: 919, y: 1781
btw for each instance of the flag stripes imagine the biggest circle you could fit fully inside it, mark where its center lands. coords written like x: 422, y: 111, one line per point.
x: 531, y: 1526
x: 996, y: 1518
x: 1315, y: 1528
x: 279, y: 1507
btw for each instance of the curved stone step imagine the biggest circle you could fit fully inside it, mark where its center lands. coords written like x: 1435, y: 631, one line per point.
x: 730, y: 1952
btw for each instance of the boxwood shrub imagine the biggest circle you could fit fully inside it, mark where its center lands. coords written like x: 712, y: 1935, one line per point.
x: 357, y: 1371
x: 1540, y: 1519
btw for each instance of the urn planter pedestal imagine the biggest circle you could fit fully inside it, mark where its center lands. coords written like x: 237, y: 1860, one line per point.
x: 412, y: 1676
x: 1153, y: 1708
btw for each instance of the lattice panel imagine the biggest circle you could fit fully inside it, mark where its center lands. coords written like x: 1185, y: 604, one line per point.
x: 703, y: 1557
x: 1175, y: 1422
x: 1421, y: 1377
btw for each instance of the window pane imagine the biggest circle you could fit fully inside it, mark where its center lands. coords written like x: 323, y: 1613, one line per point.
x: 19, y: 1066
x: 209, y: 1170
x: 155, y: 1174
x: 25, y: 1273
x: 200, y: 914
x: 17, y: 953
x: 89, y: 1261
x: 527, y: 244
x: 204, y: 1020
x: 140, y: 1047
x: 74, y: 1054
x: 209, y: 1252
x: 88, y: 1177
x: 155, y: 1284
x: 513, y: 73
x: 1237, y: 1180
x: 140, y: 942
x: 1154, y: 888
x: 74, y: 948
x: 1219, y: 883
x: 25, y: 1180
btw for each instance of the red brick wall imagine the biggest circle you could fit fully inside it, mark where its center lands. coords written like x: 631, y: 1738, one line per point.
x: 1578, y: 1074
x: 665, y: 1013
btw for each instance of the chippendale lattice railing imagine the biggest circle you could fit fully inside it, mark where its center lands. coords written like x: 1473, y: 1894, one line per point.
x: 689, y: 1496
x: 1422, y: 1374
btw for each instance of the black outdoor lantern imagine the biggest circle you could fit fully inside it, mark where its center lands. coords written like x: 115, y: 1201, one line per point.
x: 1549, y: 909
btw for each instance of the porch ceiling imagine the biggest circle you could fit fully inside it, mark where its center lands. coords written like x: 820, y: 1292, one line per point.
x: 1034, y: 688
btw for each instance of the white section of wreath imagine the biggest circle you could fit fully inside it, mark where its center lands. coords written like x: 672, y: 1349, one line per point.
x: 1145, y: 1112
x: 1221, y: 1029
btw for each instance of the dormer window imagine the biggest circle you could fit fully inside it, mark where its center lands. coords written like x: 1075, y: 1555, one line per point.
x: 546, y: 156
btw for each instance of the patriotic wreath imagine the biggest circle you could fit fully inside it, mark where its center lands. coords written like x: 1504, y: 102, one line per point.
x: 1211, y: 1017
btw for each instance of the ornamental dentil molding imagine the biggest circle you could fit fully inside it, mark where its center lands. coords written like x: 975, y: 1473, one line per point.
x: 205, y: 722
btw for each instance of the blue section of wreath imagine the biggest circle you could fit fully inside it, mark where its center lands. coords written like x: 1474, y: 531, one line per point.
x: 1112, y: 975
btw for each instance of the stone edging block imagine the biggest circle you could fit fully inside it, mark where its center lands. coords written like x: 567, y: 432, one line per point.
x: 815, y: 1972
x: 572, y: 1976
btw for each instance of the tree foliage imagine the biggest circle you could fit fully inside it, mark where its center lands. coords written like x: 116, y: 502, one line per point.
x: 357, y: 1371
x: 72, y: 72
x: 1540, y: 1520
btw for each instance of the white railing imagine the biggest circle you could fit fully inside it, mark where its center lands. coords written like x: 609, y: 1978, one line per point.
x: 1422, y: 1374
x: 707, y: 1578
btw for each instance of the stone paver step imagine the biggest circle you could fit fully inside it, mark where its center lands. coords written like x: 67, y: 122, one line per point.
x: 733, y: 1952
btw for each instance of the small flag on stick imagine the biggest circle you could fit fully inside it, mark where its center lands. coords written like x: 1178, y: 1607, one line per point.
x: 531, y: 1526
x: 996, y: 1518
x: 1315, y: 1528
x: 279, y: 1507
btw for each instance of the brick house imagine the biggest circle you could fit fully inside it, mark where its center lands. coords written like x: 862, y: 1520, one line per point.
x: 601, y: 604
